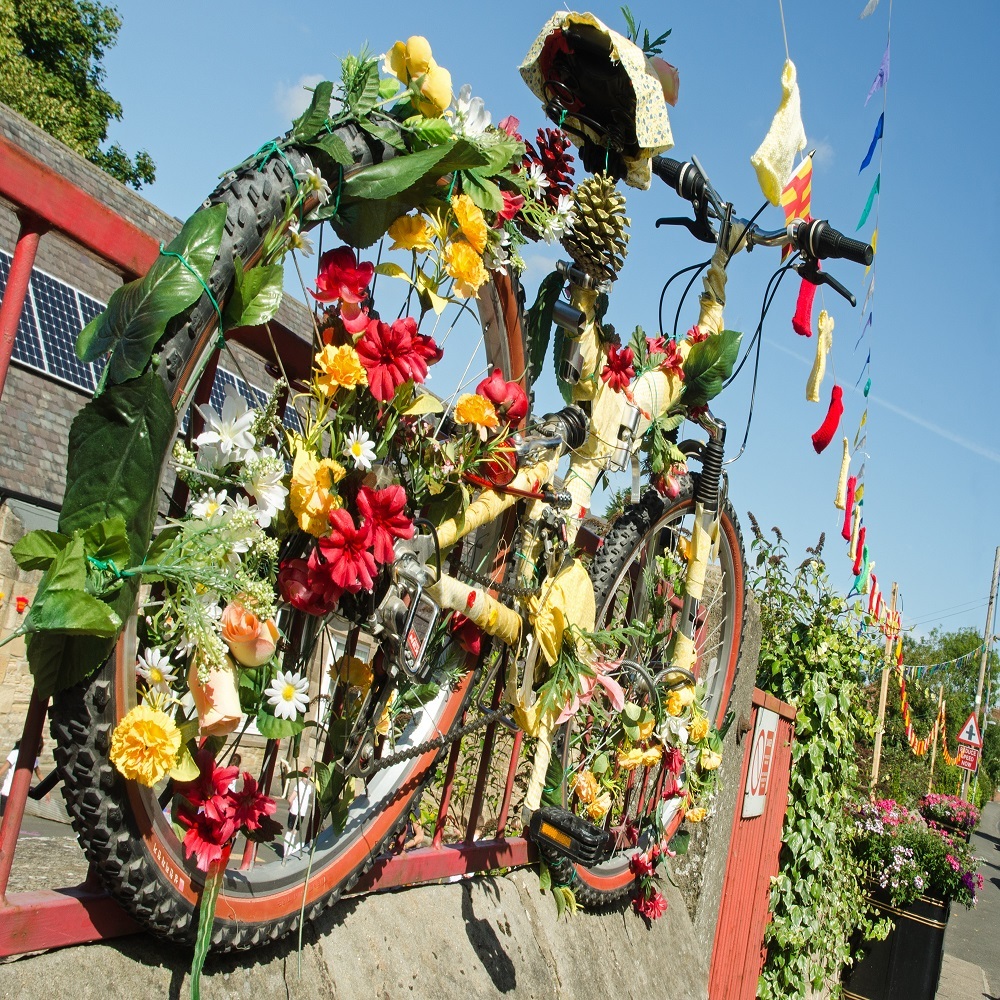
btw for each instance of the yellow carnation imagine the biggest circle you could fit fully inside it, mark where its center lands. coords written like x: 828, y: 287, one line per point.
x: 696, y: 815
x: 698, y: 730
x: 651, y: 757
x: 339, y: 367
x: 466, y: 266
x: 310, y: 497
x: 585, y: 786
x: 598, y: 809
x: 646, y: 728
x: 355, y: 671
x: 472, y: 408
x: 144, y: 745
x: 411, y: 232
x: 679, y: 699
x: 470, y: 220
x: 629, y: 760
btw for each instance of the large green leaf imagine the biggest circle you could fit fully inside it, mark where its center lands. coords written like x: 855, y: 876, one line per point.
x: 255, y: 297
x: 272, y: 728
x: 708, y: 365
x: 540, y: 321
x: 73, y: 612
x: 362, y: 223
x: 38, y: 548
x: 138, y: 312
x: 484, y: 192
x: 388, y: 134
x: 335, y: 148
x: 391, y: 177
x: 108, y: 540
x: 313, y: 119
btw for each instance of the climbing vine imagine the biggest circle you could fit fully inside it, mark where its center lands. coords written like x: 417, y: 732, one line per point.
x: 811, y: 652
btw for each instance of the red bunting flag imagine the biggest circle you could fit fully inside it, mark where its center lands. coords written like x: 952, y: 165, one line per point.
x: 796, y: 196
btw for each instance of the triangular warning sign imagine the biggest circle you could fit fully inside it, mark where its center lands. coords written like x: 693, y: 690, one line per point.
x: 969, y: 733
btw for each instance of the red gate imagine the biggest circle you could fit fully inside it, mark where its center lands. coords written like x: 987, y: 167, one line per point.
x: 738, y: 953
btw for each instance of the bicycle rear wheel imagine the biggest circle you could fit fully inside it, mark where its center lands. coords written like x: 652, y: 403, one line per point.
x: 121, y: 824
x: 626, y: 574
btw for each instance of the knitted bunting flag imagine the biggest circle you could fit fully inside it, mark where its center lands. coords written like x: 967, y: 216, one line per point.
x: 881, y: 77
x: 874, y: 143
x: 796, y: 196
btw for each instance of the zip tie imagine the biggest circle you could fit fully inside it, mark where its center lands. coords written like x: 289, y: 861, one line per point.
x: 201, y: 281
x: 451, y: 187
x: 108, y: 566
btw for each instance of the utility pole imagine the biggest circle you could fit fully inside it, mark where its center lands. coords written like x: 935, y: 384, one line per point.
x: 884, y: 691
x: 987, y: 645
x: 934, y: 738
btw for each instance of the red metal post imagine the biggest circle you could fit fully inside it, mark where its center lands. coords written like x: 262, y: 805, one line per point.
x: 17, y: 287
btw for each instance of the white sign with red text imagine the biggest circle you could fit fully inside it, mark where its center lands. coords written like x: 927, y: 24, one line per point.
x: 765, y: 734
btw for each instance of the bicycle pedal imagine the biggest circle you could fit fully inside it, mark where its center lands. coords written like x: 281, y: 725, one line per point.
x: 559, y: 830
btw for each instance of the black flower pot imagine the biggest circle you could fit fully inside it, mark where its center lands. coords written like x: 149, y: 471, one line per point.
x: 907, y: 964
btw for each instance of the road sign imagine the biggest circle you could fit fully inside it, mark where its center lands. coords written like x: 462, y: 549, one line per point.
x: 758, y: 775
x: 968, y: 757
x: 969, y: 733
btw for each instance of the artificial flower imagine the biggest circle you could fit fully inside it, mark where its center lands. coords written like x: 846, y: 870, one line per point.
x: 673, y: 760
x: 512, y: 204
x: 144, y: 745
x: 320, y: 581
x: 471, y: 222
x: 298, y: 240
x: 383, y: 511
x: 411, y: 232
x: 347, y: 560
x: 536, y: 182
x: 585, y: 786
x: 205, y: 838
x: 651, y: 755
x: 388, y: 356
x: 674, y: 730
x: 478, y: 411
x: 699, y: 729
x: 385, y: 719
x: 466, y: 266
x: 250, y: 805
x: 508, y: 398
x: 709, y: 760
x: 342, y: 277
x: 262, y: 476
x: 549, y: 154
x: 339, y: 368
x: 673, y: 360
x: 588, y: 688
x: 670, y: 80
x: 562, y: 221
x: 629, y: 760
x: 466, y: 633
x: 426, y: 348
x: 288, y: 695
x: 652, y: 907
x: 213, y: 782
x: 354, y: 317
x: 311, y: 181
x: 294, y: 587
x: 695, y: 335
x: 359, y: 448
x: 210, y: 506
x: 696, y: 815
x: 251, y: 641
x: 354, y: 671
x: 641, y: 865
x: 216, y: 699
x: 229, y: 435
x: 598, y: 809
x: 510, y: 125
x: 311, y: 498
x: 666, y: 486
x: 412, y: 62
x: 21, y: 604
x: 646, y: 727
x: 679, y: 699
x: 155, y: 668
x: 619, y: 371
x: 471, y: 117
x: 671, y: 787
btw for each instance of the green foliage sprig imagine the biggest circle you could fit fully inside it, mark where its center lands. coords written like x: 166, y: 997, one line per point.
x: 811, y: 652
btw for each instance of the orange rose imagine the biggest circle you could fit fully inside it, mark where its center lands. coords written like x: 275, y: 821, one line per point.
x: 585, y: 787
x: 251, y: 641
x: 217, y: 700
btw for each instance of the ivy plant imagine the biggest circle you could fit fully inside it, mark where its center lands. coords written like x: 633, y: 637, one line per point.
x: 812, y: 651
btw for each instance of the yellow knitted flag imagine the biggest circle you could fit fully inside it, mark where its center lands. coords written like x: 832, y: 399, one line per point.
x: 775, y: 157
x: 824, y: 341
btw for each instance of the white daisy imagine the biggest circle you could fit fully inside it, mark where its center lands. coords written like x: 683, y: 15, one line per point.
x: 312, y: 180
x: 536, y: 181
x: 565, y: 214
x: 229, y: 433
x: 155, y: 668
x: 288, y: 695
x: 673, y: 730
x: 262, y: 478
x: 299, y: 241
x: 359, y: 447
x: 471, y: 117
x: 210, y: 506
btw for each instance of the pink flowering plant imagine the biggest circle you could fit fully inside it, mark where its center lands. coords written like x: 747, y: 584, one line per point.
x: 949, y: 811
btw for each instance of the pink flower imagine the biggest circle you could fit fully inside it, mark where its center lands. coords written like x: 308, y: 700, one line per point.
x: 384, y: 518
x: 618, y: 372
x: 671, y: 786
x: 673, y: 363
x: 656, y: 345
x: 508, y: 398
x: 588, y: 686
x: 353, y: 316
x: 342, y: 277
x: 652, y: 907
x: 666, y: 486
x: 250, y: 805
x: 466, y: 633
x: 509, y: 125
x: 512, y: 204
x: 670, y: 80
x: 347, y: 560
x: 639, y: 864
x: 389, y: 357
x: 295, y: 587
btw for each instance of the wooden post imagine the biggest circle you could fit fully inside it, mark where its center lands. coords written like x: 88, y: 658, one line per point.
x: 937, y: 725
x: 883, y: 692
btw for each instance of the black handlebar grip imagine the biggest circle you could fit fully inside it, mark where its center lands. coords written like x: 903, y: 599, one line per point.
x: 820, y: 240
x: 684, y: 178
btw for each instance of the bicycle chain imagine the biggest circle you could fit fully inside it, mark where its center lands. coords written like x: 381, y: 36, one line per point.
x: 436, y: 744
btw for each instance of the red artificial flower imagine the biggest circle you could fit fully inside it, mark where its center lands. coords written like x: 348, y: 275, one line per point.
x: 501, y: 469
x: 212, y: 781
x: 204, y: 839
x: 631, y: 833
x: 512, y: 204
x: 618, y: 372
x: 673, y: 760
x: 466, y: 633
x: 389, y: 356
x: 250, y: 805
x: 695, y: 335
x: 656, y: 345
x: 21, y: 604
x: 427, y: 348
x: 354, y: 317
x: 342, y: 277
x: 639, y: 864
x: 384, y: 518
x: 666, y: 486
x: 319, y: 580
x: 508, y: 398
x: 509, y: 125
x: 348, y: 562
x: 296, y: 587
x: 651, y: 907
x: 671, y: 787
x: 673, y: 363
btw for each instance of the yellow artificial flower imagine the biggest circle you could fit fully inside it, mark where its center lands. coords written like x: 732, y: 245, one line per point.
x: 355, y: 671
x: 709, y: 760
x: 472, y: 408
x: 310, y: 497
x: 411, y: 61
x: 466, y: 266
x: 411, y: 232
x: 651, y: 756
x: 339, y: 367
x: 646, y: 728
x: 679, y: 699
x: 629, y: 760
x: 585, y: 787
x: 144, y: 745
x: 698, y: 730
x: 385, y: 721
x: 470, y: 220
x: 696, y: 815
x: 598, y: 809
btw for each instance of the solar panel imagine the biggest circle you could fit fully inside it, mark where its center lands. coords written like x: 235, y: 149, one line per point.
x: 27, y: 346
x: 59, y: 323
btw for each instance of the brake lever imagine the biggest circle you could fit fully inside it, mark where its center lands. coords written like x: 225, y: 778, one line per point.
x: 700, y: 229
x: 809, y: 270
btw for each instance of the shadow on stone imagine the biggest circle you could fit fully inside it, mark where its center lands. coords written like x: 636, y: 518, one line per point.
x: 486, y: 944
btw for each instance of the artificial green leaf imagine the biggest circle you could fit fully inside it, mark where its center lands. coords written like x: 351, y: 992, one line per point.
x: 59, y: 661
x: 680, y: 842
x: 362, y: 223
x: 108, y: 541
x: 161, y: 543
x: 206, y: 921
x: 708, y: 365
x: 601, y: 764
x: 186, y: 769
x: 388, y: 134
x: 38, y: 548
x: 500, y: 151
x: 67, y: 571
x: 424, y: 403
x: 383, y: 180
x: 392, y: 270
x: 272, y: 728
x: 388, y: 88
x: 255, y: 297
x: 632, y: 711
x: 544, y: 877
x: 449, y: 503
x: 539, y: 326
x: 332, y: 146
x: 138, y: 312
x: 430, y: 130
x: 484, y: 192
x: 313, y: 120
x: 364, y: 94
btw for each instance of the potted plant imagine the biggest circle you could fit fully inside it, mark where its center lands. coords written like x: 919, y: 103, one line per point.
x: 950, y: 813
x: 915, y: 871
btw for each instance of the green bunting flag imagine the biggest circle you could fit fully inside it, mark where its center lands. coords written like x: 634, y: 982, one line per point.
x: 871, y: 200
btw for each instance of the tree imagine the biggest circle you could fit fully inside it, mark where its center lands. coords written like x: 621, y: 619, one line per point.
x: 51, y: 72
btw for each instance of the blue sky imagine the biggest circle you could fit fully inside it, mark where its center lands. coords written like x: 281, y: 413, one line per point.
x: 203, y: 85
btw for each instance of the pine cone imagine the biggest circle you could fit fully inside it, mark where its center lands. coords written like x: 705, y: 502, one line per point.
x: 550, y: 151
x: 598, y: 240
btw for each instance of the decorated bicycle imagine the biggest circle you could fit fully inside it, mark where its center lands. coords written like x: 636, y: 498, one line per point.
x: 330, y: 557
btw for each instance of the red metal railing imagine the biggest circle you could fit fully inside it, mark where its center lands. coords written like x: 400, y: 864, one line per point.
x: 52, y: 918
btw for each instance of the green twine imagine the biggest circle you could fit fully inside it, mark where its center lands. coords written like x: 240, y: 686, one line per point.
x: 268, y: 150
x: 108, y: 566
x: 201, y: 281
x: 451, y: 187
x: 562, y: 117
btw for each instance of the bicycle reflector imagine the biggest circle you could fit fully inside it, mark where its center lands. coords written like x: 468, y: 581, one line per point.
x: 558, y: 830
